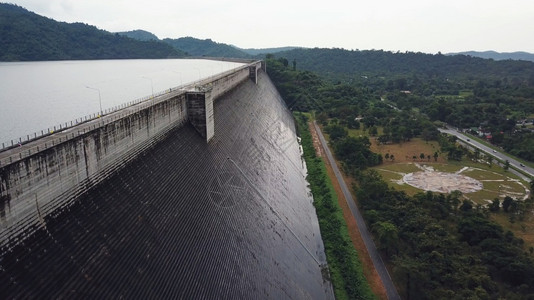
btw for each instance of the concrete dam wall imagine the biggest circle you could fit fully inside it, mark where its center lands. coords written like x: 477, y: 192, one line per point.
x: 177, y: 217
x: 49, y: 173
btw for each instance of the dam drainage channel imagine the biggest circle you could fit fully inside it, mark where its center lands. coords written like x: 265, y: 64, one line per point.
x: 275, y: 212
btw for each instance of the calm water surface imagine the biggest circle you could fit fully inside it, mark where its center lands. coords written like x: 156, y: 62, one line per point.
x: 35, y: 96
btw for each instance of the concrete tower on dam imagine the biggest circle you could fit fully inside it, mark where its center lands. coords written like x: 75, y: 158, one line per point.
x: 199, y: 193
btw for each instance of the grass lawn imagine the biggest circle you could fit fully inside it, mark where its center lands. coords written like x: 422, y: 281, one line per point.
x: 465, y: 93
x: 362, y: 132
x: 521, y: 229
x: 393, y: 177
x: 484, y: 174
x: 449, y: 168
x: 399, y: 167
x: 404, y: 152
x: 497, y: 183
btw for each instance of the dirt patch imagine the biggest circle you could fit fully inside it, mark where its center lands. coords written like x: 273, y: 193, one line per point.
x: 442, y: 182
x: 405, y: 152
x: 369, y: 270
x: 316, y: 142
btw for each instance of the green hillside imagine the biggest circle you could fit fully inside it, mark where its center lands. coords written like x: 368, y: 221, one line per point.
x: 197, y: 47
x: 519, y: 55
x: 140, y: 35
x: 26, y: 36
x: 379, y: 62
x: 255, y: 51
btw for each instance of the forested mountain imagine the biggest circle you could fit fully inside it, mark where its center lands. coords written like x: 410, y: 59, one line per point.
x: 26, y: 36
x: 439, y: 246
x: 466, y: 92
x: 197, y: 47
x: 140, y: 35
x: 497, y: 55
x: 207, y: 47
x: 379, y: 62
x: 253, y: 51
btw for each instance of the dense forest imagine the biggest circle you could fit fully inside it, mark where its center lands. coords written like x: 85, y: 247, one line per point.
x: 356, y: 63
x: 519, y: 55
x: 444, y: 248
x: 489, y: 97
x: 439, y: 245
x: 207, y: 47
x: 263, y: 51
x: 140, y: 35
x: 26, y: 36
x: 197, y: 47
x: 352, y: 106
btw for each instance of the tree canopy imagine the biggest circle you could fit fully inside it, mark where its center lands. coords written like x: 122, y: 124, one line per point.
x: 26, y: 36
x: 496, y: 98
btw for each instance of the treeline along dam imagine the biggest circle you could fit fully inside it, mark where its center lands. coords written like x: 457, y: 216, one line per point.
x: 198, y: 193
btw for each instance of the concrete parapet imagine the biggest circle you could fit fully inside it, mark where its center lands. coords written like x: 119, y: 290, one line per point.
x: 36, y: 186
x: 44, y: 175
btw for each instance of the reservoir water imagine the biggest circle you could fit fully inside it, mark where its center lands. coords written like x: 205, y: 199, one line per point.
x: 36, y: 96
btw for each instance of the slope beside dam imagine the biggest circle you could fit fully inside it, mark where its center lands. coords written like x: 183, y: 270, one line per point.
x: 186, y: 219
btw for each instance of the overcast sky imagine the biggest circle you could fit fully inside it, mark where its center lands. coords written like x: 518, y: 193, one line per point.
x: 410, y: 25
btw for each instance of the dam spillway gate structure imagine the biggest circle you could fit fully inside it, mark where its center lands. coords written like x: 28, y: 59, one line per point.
x: 140, y: 205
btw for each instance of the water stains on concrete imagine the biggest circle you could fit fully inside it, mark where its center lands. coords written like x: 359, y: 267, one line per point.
x: 186, y: 219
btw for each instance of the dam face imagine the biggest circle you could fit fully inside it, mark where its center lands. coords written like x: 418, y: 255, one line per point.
x: 186, y: 219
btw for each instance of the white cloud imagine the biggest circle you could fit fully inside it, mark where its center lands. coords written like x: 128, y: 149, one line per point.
x: 415, y: 25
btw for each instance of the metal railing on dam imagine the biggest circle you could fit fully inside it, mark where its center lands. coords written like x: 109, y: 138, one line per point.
x: 30, y: 137
x: 228, y: 219
x: 46, y: 173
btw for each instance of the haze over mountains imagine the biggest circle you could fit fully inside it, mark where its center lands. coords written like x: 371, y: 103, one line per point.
x: 498, y: 55
x: 207, y: 47
x: 26, y: 36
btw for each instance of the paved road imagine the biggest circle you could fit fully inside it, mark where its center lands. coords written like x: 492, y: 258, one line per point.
x: 391, y: 290
x: 497, y: 154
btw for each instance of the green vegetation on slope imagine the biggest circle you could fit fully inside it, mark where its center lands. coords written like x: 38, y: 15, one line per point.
x: 140, y: 35
x: 519, y: 55
x: 440, y: 246
x: 197, y: 47
x: 347, y: 105
x: 441, y: 249
x: 26, y: 36
x: 260, y: 51
x: 495, y: 98
x: 343, y: 262
x: 410, y: 65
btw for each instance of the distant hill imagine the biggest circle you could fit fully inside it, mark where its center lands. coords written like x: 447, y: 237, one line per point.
x: 255, y: 52
x: 197, y: 47
x: 140, y: 35
x: 350, y: 63
x: 26, y: 36
x: 497, y: 55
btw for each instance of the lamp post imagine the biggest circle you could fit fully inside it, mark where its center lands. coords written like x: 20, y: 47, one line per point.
x: 181, y: 81
x: 99, y: 97
x: 198, y: 73
x: 151, y: 84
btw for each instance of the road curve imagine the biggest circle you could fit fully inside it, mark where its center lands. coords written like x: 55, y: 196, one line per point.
x: 496, y: 154
x: 391, y: 290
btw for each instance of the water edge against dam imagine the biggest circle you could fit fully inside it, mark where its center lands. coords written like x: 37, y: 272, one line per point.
x: 186, y: 219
